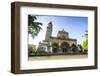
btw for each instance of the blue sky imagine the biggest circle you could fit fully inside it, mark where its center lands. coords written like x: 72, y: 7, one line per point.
x: 76, y: 26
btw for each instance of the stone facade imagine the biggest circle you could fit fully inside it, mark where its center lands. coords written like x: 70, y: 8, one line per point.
x: 61, y: 43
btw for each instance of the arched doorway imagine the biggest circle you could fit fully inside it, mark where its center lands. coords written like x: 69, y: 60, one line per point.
x: 55, y: 47
x: 74, y: 48
x: 64, y: 46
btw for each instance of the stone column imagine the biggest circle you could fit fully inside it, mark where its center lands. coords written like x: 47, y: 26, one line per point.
x: 50, y: 49
x: 60, y: 47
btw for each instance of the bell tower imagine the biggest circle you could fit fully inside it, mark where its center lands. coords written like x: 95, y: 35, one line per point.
x: 49, y: 31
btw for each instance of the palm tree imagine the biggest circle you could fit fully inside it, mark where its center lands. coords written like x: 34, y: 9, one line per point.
x: 33, y: 26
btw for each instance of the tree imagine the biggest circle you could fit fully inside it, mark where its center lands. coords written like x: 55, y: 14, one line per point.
x: 33, y: 26
x: 85, y: 41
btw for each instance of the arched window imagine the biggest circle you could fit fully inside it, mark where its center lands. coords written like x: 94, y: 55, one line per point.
x: 74, y: 48
x: 65, y: 46
x: 55, y: 47
x: 73, y: 45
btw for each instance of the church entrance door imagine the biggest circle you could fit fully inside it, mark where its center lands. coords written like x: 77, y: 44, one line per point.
x: 64, y: 47
x: 55, y: 50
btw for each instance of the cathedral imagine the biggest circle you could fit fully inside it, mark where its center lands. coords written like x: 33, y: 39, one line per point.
x: 61, y: 43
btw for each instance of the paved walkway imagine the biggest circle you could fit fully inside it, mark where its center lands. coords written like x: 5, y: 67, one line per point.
x: 58, y: 57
